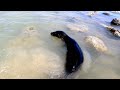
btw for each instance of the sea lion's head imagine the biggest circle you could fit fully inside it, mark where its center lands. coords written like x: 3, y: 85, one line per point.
x: 59, y: 34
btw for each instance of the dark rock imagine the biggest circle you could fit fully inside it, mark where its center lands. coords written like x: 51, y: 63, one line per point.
x: 115, y: 21
x: 114, y: 31
x: 105, y: 13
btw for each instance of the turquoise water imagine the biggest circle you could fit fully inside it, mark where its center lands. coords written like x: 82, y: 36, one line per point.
x: 27, y: 49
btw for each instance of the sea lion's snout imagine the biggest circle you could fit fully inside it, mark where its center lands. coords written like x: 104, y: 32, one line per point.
x: 52, y: 33
x: 59, y: 34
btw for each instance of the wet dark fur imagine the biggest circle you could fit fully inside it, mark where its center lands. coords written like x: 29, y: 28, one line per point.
x: 74, y: 56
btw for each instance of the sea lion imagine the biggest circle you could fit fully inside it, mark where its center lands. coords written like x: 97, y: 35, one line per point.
x: 74, y: 57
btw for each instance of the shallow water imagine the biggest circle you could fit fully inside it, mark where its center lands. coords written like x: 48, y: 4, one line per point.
x: 27, y: 50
